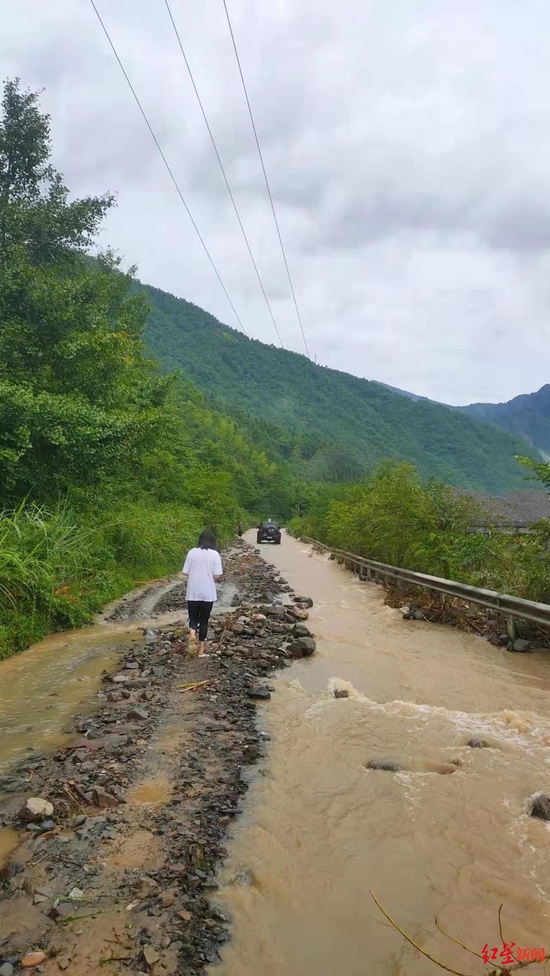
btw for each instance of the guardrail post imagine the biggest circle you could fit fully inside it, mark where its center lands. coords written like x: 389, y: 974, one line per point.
x: 511, y: 626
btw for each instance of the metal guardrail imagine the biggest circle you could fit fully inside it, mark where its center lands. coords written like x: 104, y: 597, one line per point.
x: 511, y: 607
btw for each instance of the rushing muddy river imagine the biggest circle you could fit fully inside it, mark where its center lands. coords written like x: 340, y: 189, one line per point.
x: 320, y: 831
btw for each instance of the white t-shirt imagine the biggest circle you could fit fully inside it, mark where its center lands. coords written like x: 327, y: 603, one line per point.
x: 201, y: 565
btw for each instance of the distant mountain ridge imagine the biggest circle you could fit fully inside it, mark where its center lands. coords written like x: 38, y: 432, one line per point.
x: 412, y: 396
x: 345, y: 425
x: 526, y: 416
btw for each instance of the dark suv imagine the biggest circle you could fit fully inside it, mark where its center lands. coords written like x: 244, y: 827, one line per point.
x: 269, y: 532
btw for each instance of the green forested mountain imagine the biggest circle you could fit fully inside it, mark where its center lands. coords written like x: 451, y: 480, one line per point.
x: 347, y: 424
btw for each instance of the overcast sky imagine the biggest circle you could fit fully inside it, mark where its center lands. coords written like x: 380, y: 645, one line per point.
x: 408, y: 148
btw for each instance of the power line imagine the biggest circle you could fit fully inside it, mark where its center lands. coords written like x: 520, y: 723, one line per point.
x: 265, y: 174
x: 167, y: 164
x: 187, y: 65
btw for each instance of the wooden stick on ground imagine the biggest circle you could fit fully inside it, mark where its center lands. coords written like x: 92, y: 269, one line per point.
x: 193, y: 685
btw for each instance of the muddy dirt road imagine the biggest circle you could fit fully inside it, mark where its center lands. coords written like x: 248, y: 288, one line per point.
x: 112, y: 842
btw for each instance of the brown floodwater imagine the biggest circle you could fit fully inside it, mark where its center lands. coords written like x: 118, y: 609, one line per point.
x: 42, y: 688
x: 9, y: 840
x: 320, y: 831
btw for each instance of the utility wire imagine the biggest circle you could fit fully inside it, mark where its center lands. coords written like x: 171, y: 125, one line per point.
x: 167, y: 164
x: 229, y: 190
x: 265, y: 174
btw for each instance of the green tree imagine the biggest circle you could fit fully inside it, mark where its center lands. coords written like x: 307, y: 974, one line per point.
x: 77, y: 397
x: 34, y: 209
x: 540, y: 469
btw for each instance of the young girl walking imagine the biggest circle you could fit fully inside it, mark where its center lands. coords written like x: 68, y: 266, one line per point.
x: 203, y: 566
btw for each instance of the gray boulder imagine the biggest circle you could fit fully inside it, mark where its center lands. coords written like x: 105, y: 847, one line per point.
x: 540, y: 806
x: 303, y: 647
x: 300, y: 630
x: 260, y: 692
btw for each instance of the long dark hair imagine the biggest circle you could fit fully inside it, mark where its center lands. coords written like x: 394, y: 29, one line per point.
x: 207, y: 540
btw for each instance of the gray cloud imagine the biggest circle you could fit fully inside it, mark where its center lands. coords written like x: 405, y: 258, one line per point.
x: 408, y: 152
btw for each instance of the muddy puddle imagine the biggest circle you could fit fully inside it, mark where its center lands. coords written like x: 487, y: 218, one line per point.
x: 42, y: 688
x: 9, y: 840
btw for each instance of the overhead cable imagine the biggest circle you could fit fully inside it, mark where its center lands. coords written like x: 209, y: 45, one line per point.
x: 224, y: 174
x: 265, y: 175
x: 167, y: 165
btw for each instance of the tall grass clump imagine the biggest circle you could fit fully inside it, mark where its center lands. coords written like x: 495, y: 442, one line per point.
x: 47, y: 562
x: 59, y: 566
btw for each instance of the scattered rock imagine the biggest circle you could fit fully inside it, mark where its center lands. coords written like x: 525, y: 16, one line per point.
x: 389, y: 765
x: 303, y: 647
x: 139, y: 714
x: 11, y: 870
x: 7, y: 969
x: 35, y: 809
x: 102, y: 799
x: 305, y: 601
x: 78, y: 821
x: 244, y: 877
x: 150, y: 955
x: 540, y: 806
x: 251, y: 753
x: 62, y: 911
x: 260, y: 692
x: 33, y: 959
x: 148, y: 885
x: 478, y: 744
x: 168, y: 898
x: 300, y: 630
x: 443, y: 768
x: 341, y: 693
x: 521, y: 646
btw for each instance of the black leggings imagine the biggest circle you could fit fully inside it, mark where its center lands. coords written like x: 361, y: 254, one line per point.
x: 199, y: 614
